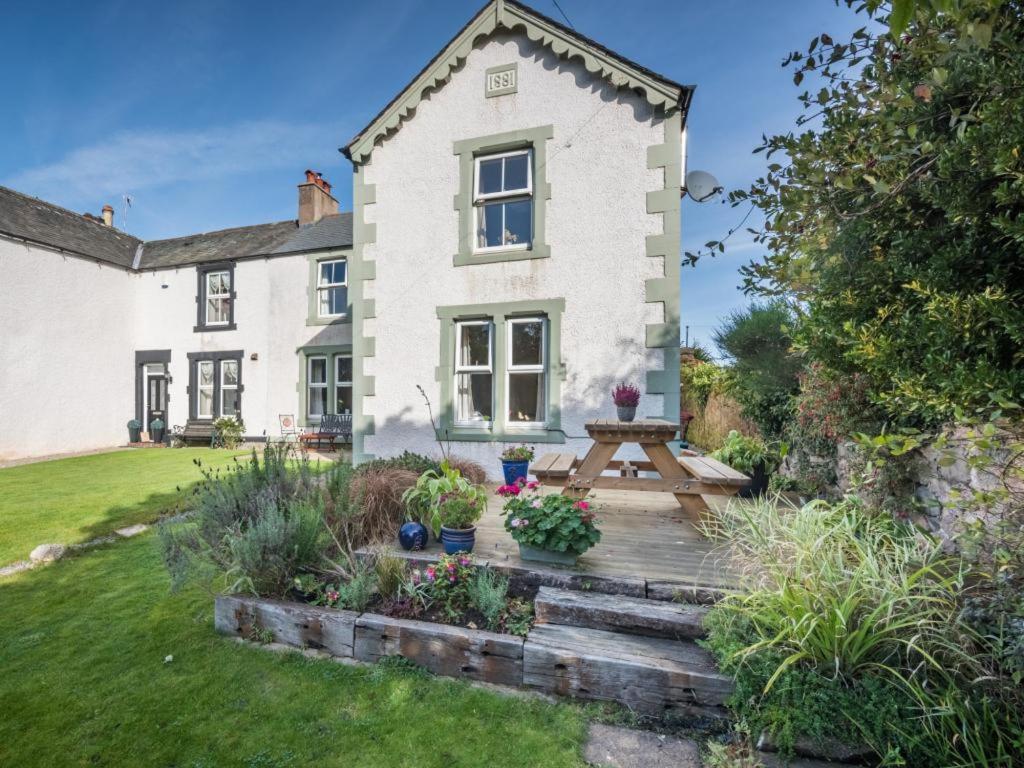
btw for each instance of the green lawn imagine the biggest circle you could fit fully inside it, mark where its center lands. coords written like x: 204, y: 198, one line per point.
x: 67, y: 501
x: 84, y: 682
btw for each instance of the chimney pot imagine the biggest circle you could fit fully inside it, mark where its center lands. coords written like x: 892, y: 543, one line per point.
x: 108, y: 215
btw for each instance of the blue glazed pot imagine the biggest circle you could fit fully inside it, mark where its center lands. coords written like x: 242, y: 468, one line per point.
x: 514, y: 470
x: 455, y: 540
x: 412, y: 536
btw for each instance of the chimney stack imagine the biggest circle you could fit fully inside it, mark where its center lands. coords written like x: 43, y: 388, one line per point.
x: 315, y: 199
x: 108, y: 215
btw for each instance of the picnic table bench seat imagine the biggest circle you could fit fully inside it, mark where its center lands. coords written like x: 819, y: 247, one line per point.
x: 551, y: 465
x: 713, y: 471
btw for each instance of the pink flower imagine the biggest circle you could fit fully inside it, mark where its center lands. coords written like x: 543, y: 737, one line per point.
x: 431, y: 573
x: 537, y: 504
x: 450, y: 567
x: 514, y: 522
x: 451, y: 579
x: 508, y: 490
x: 583, y: 505
x: 532, y: 485
x: 521, y: 481
x: 464, y: 561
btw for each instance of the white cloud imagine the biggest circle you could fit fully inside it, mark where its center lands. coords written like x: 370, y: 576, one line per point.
x: 137, y: 160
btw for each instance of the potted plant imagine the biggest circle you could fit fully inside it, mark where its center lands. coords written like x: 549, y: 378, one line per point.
x: 156, y: 430
x: 423, y: 500
x: 515, y: 462
x: 552, y: 529
x: 458, y: 513
x: 134, y: 431
x: 751, y: 456
x: 626, y: 398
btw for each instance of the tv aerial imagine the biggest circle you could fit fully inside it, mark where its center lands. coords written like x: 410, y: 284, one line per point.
x: 701, y: 186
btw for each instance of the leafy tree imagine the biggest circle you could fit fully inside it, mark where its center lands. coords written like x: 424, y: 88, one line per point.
x: 758, y: 345
x: 894, y: 215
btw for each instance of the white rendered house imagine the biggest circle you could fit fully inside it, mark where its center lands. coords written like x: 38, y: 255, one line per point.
x: 513, y: 251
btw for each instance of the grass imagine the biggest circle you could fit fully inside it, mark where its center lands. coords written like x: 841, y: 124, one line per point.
x: 66, y: 501
x: 84, y: 682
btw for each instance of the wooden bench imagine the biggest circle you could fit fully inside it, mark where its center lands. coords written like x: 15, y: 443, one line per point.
x: 554, y: 467
x: 713, y: 472
x: 194, y: 433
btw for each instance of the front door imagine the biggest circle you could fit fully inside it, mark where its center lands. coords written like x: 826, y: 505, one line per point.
x: 156, y: 394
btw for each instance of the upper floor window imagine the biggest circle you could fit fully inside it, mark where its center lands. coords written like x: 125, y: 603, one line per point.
x: 218, y: 298
x: 332, y: 288
x: 503, y: 201
x: 215, y: 297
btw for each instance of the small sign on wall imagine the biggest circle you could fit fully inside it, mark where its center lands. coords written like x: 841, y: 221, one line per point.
x: 501, y: 80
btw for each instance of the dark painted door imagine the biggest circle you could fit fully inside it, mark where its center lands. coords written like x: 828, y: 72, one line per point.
x: 156, y: 399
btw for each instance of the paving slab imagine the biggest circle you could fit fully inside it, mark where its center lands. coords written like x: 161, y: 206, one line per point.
x: 611, y: 746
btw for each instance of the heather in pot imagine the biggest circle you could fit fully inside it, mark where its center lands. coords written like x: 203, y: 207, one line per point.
x: 626, y: 398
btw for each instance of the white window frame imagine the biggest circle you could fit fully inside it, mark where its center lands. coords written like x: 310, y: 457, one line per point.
x: 322, y: 286
x: 230, y: 387
x: 200, y: 387
x: 460, y: 369
x: 505, y: 196
x: 208, y: 295
x: 511, y: 369
x: 339, y: 382
x: 310, y: 385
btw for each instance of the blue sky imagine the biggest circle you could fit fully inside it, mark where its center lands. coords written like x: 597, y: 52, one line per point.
x: 207, y: 112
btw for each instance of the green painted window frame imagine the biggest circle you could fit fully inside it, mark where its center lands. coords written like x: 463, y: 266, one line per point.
x: 468, y: 150
x: 499, y: 313
x: 330, y: 352
x: 313, y: 315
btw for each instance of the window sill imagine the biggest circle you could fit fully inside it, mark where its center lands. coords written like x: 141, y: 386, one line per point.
x: 212, y: 328
x: 339, y: 320
x: 536, y: 251
x: 506, y: 435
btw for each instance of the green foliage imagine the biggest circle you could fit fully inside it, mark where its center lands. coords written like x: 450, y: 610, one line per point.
x: 851, y: 628
x: 522, y: 452
x: 424, y: 499
x: 229, y: 431
x: 763, y: 367
x: 700, y: 380
x: 555, y: 523
x: 488, y: 593
x: 253, y: 527
x: 390, y: 573
x: 356, y: 593
x: 414, y: 462
x: 896, y: 220
x: 460, y: 511
x: 278, y: 541
x: 747, y: 454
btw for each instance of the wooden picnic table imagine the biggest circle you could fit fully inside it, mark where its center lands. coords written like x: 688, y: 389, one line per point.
x: 686, y: 477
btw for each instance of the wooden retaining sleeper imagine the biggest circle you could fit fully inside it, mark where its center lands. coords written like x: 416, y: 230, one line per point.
x: 653, y: 676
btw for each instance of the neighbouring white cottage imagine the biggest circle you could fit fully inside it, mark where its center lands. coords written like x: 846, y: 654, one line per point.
x: 513, y: 252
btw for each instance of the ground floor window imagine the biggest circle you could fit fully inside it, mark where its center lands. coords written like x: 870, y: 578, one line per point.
x: 215, y: 385
x: 326, y: 382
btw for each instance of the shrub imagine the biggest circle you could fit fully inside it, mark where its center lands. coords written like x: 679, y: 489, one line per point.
x: 459, y: 511
x: 230, y: 431
x: 249, y: 524
x: 377, y: 496
x: 850, y: 629
x: 279, y: 542
x: 356, y: 593
x: 413, y: 462
x: 763, y: 366
x: 488, y: 593
x: 747, y: 454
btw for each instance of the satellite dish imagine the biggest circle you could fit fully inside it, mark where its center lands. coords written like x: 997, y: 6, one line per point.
x: 701, y: 186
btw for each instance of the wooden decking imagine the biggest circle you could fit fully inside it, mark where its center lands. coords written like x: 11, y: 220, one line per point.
x: 644, y: 536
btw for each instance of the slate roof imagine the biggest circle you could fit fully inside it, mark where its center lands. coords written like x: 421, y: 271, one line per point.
x: 330, y: 232
x: 28, y: 218
x: 34, y: 220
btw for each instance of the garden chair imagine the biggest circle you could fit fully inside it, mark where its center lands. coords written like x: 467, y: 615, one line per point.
x: 290, y: 430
